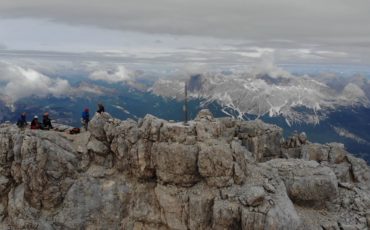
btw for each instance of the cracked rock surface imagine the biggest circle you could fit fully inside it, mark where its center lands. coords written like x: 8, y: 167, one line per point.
x: 153, y: 174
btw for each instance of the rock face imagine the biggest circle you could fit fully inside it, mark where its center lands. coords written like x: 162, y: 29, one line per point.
x: 153, y: 174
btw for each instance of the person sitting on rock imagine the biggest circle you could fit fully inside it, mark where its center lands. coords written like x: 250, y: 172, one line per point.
x: 35, y: 124
x: 100, y: 108
x: 85, y: 118
x: 46, y: 122
x: 22, y: 122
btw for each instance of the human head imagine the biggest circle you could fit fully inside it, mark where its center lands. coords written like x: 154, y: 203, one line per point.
x: 86, y: 109
x: 35, y: 117
x: 46, y: 114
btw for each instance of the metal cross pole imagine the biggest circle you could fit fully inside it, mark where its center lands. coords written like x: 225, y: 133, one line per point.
x: 186, y: 104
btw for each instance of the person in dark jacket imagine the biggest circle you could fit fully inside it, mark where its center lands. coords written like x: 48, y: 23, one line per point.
x: 46, y: 122
x: 35, y: 124
x: 100, y: 108
x: 22, y: 121
x: 85, y: 118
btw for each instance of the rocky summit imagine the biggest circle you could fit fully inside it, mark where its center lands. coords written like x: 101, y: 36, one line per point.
x: 154, y: 174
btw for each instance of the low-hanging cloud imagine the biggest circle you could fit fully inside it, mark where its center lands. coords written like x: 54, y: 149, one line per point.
x: 17, y: 82
x: 115, y: 75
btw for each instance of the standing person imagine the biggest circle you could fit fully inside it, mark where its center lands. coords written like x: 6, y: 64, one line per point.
x: 35, y: 124
x: 22, y: 121
x: 46, y: 122
x: 85, y: 118
x: 100, y: 108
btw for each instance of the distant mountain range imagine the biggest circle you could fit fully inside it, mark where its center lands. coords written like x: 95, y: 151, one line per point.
x: 299, y: 99
x: 327, y: 107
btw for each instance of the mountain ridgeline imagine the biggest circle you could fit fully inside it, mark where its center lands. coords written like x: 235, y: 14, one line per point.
x: 213, y: 173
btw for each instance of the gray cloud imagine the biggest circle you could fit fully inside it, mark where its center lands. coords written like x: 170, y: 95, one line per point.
x: 312, y: 21
x: 18, y: 82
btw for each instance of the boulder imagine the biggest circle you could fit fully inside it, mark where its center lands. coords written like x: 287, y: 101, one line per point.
x: 254, y: 196
x: 215, y: 163
x: 97, y: 147
x: 337, y: 153
x: 315, y: 152
x: 302, y: 137
x: 96, y: 126
x: 204, y: 114
x: 262, y: 139
x: 176, y: 163
x: 177, y: 132
x: 359, y: 170
x: 303, y: 179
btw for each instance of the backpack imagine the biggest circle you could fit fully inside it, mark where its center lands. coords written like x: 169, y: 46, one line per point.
x: 74, y: 131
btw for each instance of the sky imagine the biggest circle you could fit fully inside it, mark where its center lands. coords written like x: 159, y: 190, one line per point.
x: 194, y: 31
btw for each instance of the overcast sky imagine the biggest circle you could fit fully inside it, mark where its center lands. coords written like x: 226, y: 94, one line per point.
x: 293, y: 31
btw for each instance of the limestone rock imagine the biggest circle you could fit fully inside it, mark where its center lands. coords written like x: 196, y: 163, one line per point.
x: 304, y: 179
x: 359, y: 169
x: 93, y: 203
x: 200, y: 210
x: 214, y: 173
x: 254, y: 196
x: 337, y: 153
x: 226, y: 215
x: 215, y: 164
x: 204, y: 114
x: 315, y: 152
x: 262, y: 139
x: 96, y: 125
x: 48, y: 168
x: 302, y: 138
x: 97, y: 147
x: 176, y: 163
x: 174, y: 208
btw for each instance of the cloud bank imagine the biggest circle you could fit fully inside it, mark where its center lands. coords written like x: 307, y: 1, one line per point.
x: 311, y: 29
x: 17, y: 82
x: 331, y: 20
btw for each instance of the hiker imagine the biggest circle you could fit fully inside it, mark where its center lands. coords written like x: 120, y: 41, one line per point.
x: 22, y: 122
x: 85, y: 118
x: 35, y: 124
x: 46, y: 122
x: 100, y: 108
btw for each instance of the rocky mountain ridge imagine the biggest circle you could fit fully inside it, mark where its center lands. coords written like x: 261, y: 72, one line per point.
x: 153, y: 174
x: 299, y: 99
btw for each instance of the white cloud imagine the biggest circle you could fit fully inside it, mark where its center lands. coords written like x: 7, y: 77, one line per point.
x: 18, y: 82
x: 267, y: 66
x: 119, y: 74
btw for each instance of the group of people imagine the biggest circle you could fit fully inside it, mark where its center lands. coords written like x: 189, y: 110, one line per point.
x: 46, y: 121
x: 35, y: 123
x: 85, y: 118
